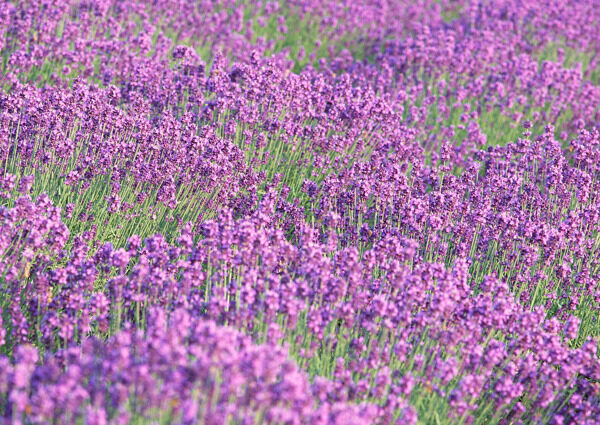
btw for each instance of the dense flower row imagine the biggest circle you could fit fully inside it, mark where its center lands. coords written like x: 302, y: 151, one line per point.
x: 377, y: 212
x: 361, y: 316
x: 183, y: 369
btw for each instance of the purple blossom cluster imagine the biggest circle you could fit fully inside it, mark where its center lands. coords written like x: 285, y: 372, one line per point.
x: 183, y: 369
x: 248, y: 212
x: 388, y: 306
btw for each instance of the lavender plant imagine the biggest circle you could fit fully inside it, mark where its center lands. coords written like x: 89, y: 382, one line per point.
x: 264, y: 212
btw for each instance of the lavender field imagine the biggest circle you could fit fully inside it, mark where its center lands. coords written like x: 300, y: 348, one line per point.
x: 332, y: 212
